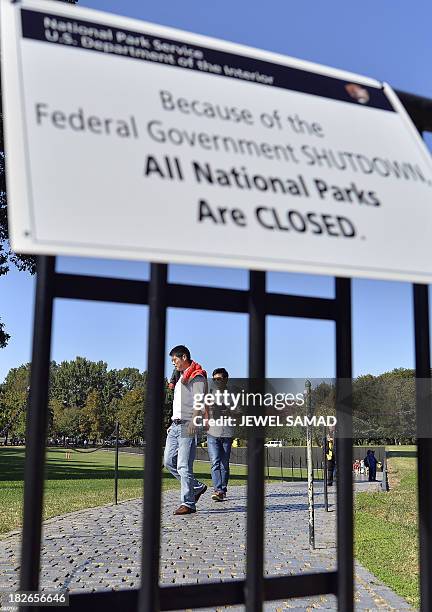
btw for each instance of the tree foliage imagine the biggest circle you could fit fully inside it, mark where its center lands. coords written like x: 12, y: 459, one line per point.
x: 131, y: 414
x: 85, y: 400
x: 13, y: 401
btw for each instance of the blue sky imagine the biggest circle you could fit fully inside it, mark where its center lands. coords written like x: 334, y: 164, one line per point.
x: 388, y: 40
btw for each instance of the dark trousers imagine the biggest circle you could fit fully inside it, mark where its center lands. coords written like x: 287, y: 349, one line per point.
x: 219, y: 450
x: 372, y: 473
x: 330, y: 471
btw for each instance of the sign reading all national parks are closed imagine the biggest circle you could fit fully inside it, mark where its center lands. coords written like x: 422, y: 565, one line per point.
x: 126, y: 139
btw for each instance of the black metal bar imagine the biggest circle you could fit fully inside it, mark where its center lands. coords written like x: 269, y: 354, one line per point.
x: 149, y: 592
x: 96, y: 288
x: 36, y: 431
x: 101, y: 289
x: 206, y: 595
x: 343, y: 447
x: 278, y: 304
x: 424, y: 440
x: 117, y: 428
x: 281, y: 463
x: 254, y: 589
x: 207, y: 298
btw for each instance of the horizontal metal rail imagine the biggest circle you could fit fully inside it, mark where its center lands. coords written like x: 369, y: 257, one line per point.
x: 118, y: 290
x: 206, y: 595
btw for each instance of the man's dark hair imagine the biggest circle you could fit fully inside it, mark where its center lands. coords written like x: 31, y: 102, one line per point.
x: 179, y: 351
x: 220, y: 371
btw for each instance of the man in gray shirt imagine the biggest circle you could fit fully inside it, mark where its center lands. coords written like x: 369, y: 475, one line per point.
x: 219, y: 442
x: 180, y: 444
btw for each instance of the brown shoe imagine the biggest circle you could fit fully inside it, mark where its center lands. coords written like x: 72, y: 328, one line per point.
x: 198, y: 495
x: 218, y: 496
x: 184, y: 510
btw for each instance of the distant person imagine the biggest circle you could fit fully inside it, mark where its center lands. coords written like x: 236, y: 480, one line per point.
x: 331, y: 460
x: 181, y: 439
x: 371, y: 463
x: 219, y: 440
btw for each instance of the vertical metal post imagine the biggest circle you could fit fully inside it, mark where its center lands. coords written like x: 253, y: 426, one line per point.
x: 343, y: 448
x: 254, y: 584
x: 149, y: 593
x: 384, y: 482
x: 268, y: 463
x: 301, y: 472
x: 424, y: 440
x: 309, y: 460
x: 281, y: 463
x: 117, y: 428
x: 292, y: 468
x: 36, y: 430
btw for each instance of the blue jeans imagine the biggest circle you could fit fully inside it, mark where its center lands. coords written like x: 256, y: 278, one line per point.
x: 179, y: 456
x: 219, y: 450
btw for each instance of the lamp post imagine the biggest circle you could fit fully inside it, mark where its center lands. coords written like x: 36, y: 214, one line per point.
x: 117, y: 430
x: 310, y: 466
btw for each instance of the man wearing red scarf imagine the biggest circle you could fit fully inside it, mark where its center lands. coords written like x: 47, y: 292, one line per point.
x: 180, y: 444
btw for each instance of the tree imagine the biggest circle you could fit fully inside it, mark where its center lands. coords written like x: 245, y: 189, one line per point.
x: 65, y: 421
x: 72, y: 381
x: 130, y: 378
x: 13, y: 400
x: 95, y: 419
x: 369, y: 402
x: 131, y: 414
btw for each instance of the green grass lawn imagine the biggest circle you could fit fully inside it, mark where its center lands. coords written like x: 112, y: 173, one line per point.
x: 386, y: 531
x: 87, y: 480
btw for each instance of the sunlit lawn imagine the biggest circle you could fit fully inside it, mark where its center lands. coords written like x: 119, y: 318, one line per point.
x: 85, y: 480
x: 386, y: 530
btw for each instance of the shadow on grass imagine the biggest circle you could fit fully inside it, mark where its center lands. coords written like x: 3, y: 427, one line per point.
x: 58, y: 468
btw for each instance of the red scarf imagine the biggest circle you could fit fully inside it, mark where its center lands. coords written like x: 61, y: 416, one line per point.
x: 192, y: 371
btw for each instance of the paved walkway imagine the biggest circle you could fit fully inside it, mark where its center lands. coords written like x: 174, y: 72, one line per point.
x: 100, y: 548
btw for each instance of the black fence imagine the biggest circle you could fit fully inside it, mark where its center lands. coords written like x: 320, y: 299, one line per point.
x: 258, y: 303
x: 291, y: 456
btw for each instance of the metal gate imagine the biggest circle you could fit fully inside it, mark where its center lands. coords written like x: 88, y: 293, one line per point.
x: 257, y: 303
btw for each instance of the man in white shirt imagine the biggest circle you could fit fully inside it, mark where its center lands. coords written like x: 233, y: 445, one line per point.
x: 180, y: 444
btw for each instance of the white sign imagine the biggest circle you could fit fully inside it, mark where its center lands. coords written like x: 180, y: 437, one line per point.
x: 126, y: 139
